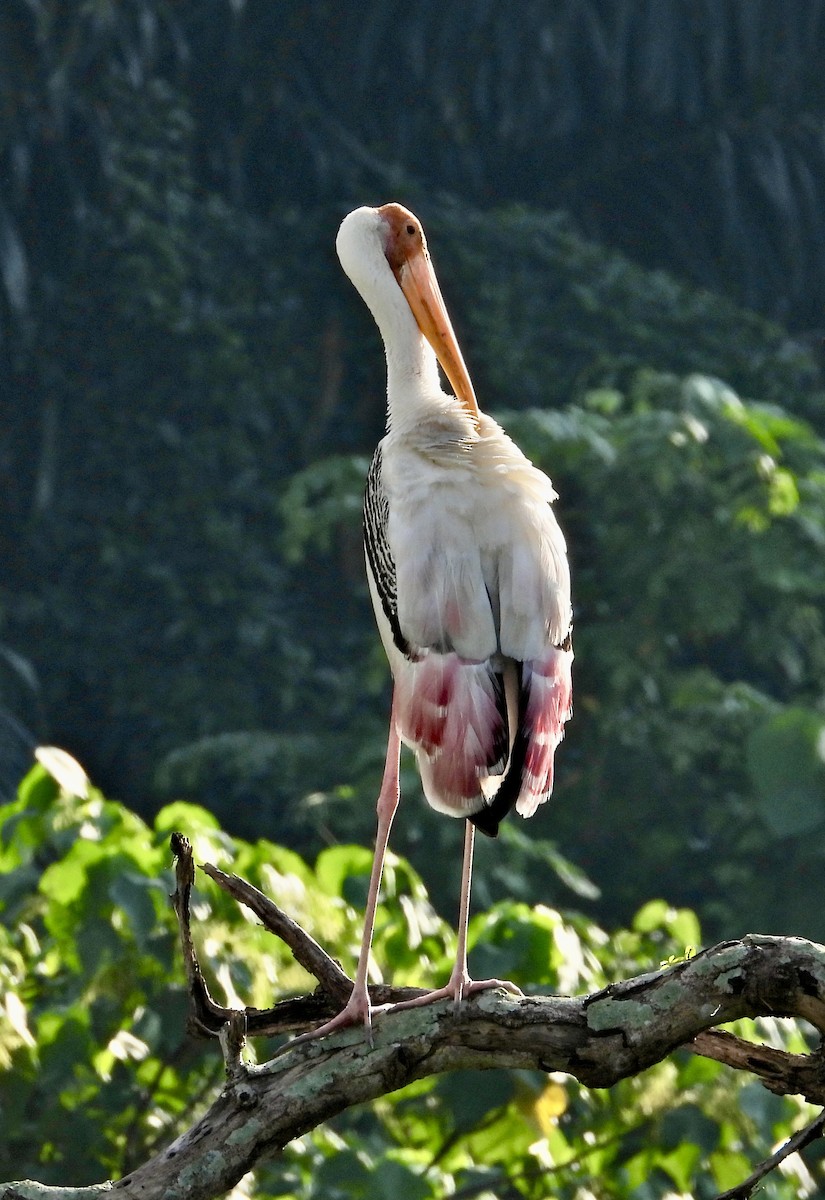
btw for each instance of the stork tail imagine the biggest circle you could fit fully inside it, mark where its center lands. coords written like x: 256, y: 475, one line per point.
x: 544, y: 705
x: 453, y: 713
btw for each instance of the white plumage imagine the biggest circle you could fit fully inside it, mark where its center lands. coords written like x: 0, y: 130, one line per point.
x: 467, y: 570
x: 480, y: 564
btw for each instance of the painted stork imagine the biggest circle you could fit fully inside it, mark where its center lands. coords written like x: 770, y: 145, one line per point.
x: 468, y: 575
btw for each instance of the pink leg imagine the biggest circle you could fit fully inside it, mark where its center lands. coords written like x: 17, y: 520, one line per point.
x: 460, y: 984
x: 358, y: 1007
x: 460, y: 976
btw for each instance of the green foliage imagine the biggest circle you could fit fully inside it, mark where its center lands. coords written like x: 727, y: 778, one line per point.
x: 183, y: 360
x: 96, y: 1070
x: 183, y: 552
x: 192, y: 391
x: 696, y: 523
x: 150, y: 522
x: 88, y: 959
x: 549, y: 316
x: 688, y: 135
x: 786, y: 758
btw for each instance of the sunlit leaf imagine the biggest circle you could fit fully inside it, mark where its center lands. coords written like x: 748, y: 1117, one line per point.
x: 64, y: 769
x: 14, y: 1011
x: 549, y: 1106
x: 339, y: 864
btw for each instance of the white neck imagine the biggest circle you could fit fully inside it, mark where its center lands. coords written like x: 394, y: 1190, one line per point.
x: 413, y: 384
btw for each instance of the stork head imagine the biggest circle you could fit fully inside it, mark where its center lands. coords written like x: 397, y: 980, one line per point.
x: 390, y: 239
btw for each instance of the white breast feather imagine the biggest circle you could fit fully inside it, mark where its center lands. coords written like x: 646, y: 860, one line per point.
x: 480, y: 558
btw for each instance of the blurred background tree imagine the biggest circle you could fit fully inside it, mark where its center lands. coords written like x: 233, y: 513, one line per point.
x: 98, y: 1071
x: 624, y: 198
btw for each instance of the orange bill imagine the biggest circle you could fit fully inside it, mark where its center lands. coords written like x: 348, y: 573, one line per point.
x: 407, y: 255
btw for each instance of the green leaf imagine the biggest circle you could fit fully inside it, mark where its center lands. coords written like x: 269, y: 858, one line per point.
x: 38, y: 789
x: 471, y: 1096
x: 786, y: 761
x: 688, y: 1123
x: 766, y: 1110
x: 653, y: 915
x: 64, y: 881
x: 133, y: 893
x: 337, y: 865
x: 185, y: 817
x: 391, y: 1178
x: 342, y: 1176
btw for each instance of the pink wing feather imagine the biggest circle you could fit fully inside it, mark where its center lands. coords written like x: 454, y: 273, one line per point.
x: 469, y: 621
x: 453, y: 713
x: 548, y: 691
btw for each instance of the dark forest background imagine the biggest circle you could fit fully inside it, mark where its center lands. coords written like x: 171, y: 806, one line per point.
x: 625, y: 201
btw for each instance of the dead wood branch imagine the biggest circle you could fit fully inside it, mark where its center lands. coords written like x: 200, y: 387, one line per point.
x: 598, y: 1039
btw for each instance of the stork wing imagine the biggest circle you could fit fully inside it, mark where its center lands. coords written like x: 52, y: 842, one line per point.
x: 451, y: 711
x: 544, y: 705
x: 380, y: 560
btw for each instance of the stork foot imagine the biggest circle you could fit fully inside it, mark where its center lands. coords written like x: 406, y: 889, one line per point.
x: 458, y: 989
x: 357, y: 1011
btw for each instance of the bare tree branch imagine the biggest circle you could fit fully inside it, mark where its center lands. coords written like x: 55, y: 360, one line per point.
x: 305, y: 949
x: 780, y: 1072
x: 803, y: 1138
x: 207, y: 1017
x: 598, y: 1039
